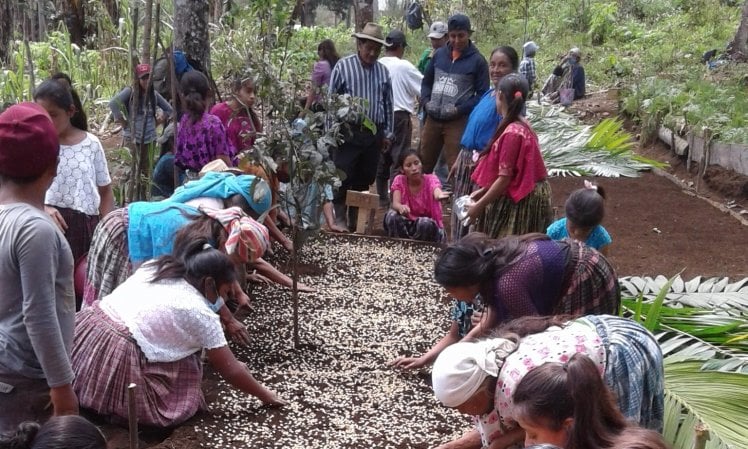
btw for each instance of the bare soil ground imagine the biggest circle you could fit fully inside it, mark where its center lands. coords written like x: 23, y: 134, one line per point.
x: 342, y: 394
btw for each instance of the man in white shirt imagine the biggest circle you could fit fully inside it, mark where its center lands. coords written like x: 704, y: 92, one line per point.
x: 406, y: 87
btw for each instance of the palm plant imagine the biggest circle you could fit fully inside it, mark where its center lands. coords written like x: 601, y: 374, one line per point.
x: 703, y: 334
x: 570, y: 149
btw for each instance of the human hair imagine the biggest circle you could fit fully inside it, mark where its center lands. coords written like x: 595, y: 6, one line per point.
x: 510, y: 53
x: 327, y: 51
x: 54, y: 92
x: 60, y: 432
x: 513, y: 89
x: 194, y: 260
x: 244, y: 81
x: 530, y: 325
x: 553, y: 392
x: 404, y: 155
x: 79, y: 119
x: 238, y: 200
x: 638, y: 438
x: 195, y: 91
x: 585, y: 207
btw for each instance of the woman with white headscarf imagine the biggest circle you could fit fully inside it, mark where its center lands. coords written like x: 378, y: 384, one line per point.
x: 479, y: 378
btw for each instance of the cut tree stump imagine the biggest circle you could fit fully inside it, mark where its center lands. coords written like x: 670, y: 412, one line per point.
x: 367, y: 204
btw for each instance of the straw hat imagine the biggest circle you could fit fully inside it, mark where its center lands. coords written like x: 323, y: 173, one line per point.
x: 219, y: 166
x: 372, y: 32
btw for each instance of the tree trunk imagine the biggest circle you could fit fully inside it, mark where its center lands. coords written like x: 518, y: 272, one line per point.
x: 364, y: 12
x: 145, y: 54
x: 75, y: 19
x: 6, y: 32
x: 738, y: 48
x: 191, y: 30
x: 112, y: 8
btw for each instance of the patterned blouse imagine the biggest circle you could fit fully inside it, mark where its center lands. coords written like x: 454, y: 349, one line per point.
x: 201, y: 142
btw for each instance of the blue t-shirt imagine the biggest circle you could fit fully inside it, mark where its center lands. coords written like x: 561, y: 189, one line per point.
x: 597, y: 239
x: 481, y: 124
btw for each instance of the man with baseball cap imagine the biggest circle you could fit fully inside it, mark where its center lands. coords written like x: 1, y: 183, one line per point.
x: 406, y: 86
x: 453, y: 84
x: 438, y: 37
x: 361, y: 75
x: 36, y: 274
x: 527, y: 65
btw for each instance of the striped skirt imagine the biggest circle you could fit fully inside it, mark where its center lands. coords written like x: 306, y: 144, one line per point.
x: 106, y: 359
x: 463, y: 185
x: 591, y: 285
x: 634, y: 370
x: 109, y: 257
x: 504, y: 217
x: 422, y: 228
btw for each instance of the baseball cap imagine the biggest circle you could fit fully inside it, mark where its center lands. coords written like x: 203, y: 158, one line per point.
x: 530, y: 47
x: 437, y: 30
x: 396, y: 38
x: 459, y: 22
x: 142, y: 70
x: 28, y: 141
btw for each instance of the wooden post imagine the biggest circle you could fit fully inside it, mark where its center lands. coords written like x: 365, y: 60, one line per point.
x: 132, y: 416
x: 367, y: 204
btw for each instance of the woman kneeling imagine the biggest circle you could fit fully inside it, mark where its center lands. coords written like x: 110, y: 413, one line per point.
x: 151, y: 330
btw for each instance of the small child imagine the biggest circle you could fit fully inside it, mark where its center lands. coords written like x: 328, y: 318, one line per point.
x: 240, y: 120
x: 201, y: 136
x: 585, y: 210
x: 416, y: 211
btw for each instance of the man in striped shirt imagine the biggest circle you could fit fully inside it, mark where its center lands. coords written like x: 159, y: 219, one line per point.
x: 361, y: 75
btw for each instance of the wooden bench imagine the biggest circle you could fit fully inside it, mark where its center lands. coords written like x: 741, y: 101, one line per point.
x: 367, y: 204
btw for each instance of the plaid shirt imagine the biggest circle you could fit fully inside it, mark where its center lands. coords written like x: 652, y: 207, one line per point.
x: 527, y: 69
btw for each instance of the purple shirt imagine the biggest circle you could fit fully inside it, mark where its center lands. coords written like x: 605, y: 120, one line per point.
x: 320, y: 76
x: 201, y: 142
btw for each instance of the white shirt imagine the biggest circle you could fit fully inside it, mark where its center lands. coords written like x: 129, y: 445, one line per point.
x: 82, y: 170
x: 406, y: 83
x: 169, y: 319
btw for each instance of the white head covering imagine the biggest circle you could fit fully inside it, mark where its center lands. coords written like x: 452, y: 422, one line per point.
x: 461, y: 368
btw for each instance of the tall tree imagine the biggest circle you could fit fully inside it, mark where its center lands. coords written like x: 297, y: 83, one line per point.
x: 739, y: 44
x: 6, y: 31
x: 74, y: 16
x: 364, y: 10
x: 191, y: 29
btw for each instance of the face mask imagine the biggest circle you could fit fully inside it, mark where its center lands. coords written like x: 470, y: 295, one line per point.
x: 216, y: 306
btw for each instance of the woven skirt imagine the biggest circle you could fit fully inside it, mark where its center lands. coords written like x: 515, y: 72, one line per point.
x: 590, y: 283
x: 463, y: 185
x: 424, y: 229
x: 109, y: 257
x: 504, y: 217
x: 106, y: 359
x: 634, y: 370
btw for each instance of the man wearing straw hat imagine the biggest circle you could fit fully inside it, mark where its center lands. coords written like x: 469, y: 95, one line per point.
x: 361, y: 75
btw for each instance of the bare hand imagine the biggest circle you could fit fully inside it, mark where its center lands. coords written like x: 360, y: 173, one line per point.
x: 257, y: 278
x: 404, y: 210
x: 334, y: 227
x: 407, y: 363
x: 475, y: 318
x: 474, y: 211
x: 287, y: 244
x: 274, y: 401
x: 56, y: 217
x: 64, y: 400
x: 442, y: 195
x: 478, y: 194
x: 238, y: 332
x: 386, y: 145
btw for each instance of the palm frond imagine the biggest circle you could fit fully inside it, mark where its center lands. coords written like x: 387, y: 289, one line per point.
x: 718, y: 400
x: 570, y: 149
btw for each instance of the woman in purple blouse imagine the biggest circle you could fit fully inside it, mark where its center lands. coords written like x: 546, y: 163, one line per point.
x: 201, y: 136
x: 321, y: 71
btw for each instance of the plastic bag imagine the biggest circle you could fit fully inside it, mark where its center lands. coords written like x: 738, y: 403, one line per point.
x: 462, y: 204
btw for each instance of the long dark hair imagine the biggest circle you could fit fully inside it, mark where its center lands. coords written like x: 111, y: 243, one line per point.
x: 553, y: 392
x: 79, y: 119
x: 56, y: 93
x: 327, y: 51
x: 239, y: 81
x: 513, y: 89
x: 194, y: 261
x: 510, y: 53
x: 195, y: 91
x: 60, y: 432
x: 530, y: 325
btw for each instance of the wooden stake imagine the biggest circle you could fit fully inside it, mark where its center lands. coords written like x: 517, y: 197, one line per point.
x: 132, y: 416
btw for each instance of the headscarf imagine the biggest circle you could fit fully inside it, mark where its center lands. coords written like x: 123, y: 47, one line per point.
x: 246, y: 237
x: 224, y: 185
x: 461, y: 368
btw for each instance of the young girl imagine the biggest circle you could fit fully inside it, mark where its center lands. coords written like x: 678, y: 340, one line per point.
x: 328, y: 57
x: 240, y: 120
x: 79, y: 119
x: 569, y: 405
x: 82, y: 191
x: 585, y: 210
x: 514, y: 196
x: 416, y: 211
x: 201, y: 137
x: 151, y: 331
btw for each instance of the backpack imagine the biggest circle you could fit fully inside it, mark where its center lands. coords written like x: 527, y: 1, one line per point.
x: 414, y: 16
